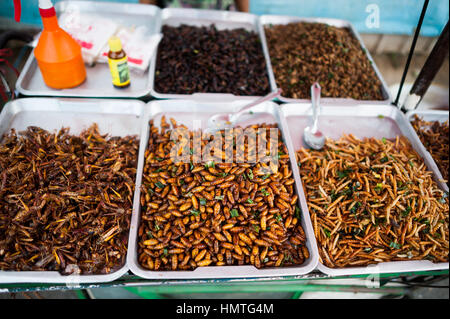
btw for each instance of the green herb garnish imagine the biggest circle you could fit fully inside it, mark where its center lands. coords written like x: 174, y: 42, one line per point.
x: 195, y: 212
x: 234, y: 212
x: 395, y: 245
x: 344, y: 173
x: 210, y: 164
x: 160, y: 185
x: 406, y: 211
x: 379, y: 187
x: 297, y: 212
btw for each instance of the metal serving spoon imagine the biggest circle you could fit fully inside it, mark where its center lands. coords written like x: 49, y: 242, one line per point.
x: 226, y: 120
x: 311, y: 135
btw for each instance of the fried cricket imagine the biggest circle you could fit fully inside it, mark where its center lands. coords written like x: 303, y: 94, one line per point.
x: 65, y: 200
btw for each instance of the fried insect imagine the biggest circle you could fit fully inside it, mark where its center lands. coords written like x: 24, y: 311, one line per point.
x: 435, y: 137
x: 65, y: 200
x: 373, y: 201
x: 215, y: 213
x: 194, y: 59
x: 304, y: 53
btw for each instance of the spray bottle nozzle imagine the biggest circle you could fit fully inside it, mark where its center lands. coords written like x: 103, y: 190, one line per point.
x: 43, y: 5
x: 17, y: 10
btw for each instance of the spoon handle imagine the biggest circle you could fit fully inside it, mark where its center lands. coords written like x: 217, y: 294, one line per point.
x: 315, y: 100
x: 268, y: 97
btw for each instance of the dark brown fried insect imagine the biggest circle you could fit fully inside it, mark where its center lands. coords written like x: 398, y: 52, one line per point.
x: 203, y: 59
x: 215, y: 213
x: 65, y: 200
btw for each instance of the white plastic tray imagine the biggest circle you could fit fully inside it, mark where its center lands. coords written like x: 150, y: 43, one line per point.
x: 363, y: 121
x: 431, y: 115
x: 115, y: 117
x: 185, y: 112
x: 265, y: 20
x: 222, y: 20
x: 98, y: 80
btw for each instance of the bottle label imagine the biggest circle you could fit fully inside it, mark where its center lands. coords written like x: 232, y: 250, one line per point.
x: 119, y: 71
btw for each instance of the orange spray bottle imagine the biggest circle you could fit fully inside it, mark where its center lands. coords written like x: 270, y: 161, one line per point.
x: 58, y: 55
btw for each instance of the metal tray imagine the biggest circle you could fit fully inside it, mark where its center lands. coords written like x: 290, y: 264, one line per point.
x: 278, y: 19
x: 115, y: 117
x: 363, y: 121
x: 431, y: 115
x: 186, y: 112
x: 98, y: 81
x: 223, y: 20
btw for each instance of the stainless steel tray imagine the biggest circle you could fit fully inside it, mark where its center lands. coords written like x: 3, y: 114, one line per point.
x: 115, y: 117
x: 278, y: 19
x: 363, y: 121
x: 223, y: 20
x: 431, y: 115
x: 98, y: 81
x: 185, y: 112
